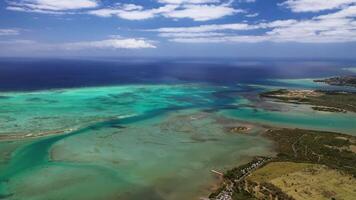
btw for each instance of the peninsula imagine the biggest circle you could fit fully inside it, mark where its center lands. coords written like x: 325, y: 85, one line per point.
x: 340, y: 81
x: 331, y: 101
x: 308, y: 165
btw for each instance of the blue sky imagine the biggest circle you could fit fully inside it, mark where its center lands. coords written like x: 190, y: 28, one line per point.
x: 178, y: 28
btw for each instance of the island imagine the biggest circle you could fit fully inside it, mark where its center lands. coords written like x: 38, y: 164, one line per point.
x: 240, y: 129
x: 331, y: 101
x: 340, y: 81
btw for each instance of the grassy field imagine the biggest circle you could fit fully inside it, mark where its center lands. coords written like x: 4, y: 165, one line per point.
x: 334, y: 150
x: 275, y: 170
x: 307, y: 181
x: 309, y: 165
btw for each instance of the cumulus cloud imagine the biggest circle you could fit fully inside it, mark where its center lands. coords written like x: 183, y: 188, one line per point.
x: 19, y: 46
x: 336, y: 23
x: 50, y: 6
x: 316, y: 5
x: 198, y: 10
x: 247, y: 1
x: 348, y: 12
x: 252, y: 15
x: 132, y: 11
x: 202, y: 12
x: 9, y: 32
x: 188, y: 1
x: 120, y: 43
x: 224, y: 27
x: 190, y: 34
x: 334, y: 27
x: 17, y: 42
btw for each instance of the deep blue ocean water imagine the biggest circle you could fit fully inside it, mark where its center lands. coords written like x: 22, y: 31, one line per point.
x: 39, y: 74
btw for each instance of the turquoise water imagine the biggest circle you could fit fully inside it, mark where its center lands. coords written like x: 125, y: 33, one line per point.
x: 298, y: 118
x: 302, y: 83
x: 136, y: 141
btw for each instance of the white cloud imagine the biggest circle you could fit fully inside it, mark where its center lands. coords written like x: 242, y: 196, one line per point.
x: 225, y: 39
x: 335, y: 27
x: 121, y: 43
x: 225, y: 27
x: 191, y: 35
x: 129, y: 7
x: 247, y: 1
x: 50, y: 6
x: 9, y: 32
x: 202, y: 12
x: 198, y: 10
x: 252, y: 15
x: 11, y: 47
x: 337, y: 24
x: 132, y: 12
x: 316, y: 5
x: 347, y: 12
x: 17, y: 42
x: 204, y: 28
x: 188, y: 1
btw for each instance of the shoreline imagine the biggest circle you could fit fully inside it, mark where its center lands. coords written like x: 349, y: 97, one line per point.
x: 348, y: 81
x: 289, y: 146
x: 16, y: 137
x: 243, y: 128
x: 319, y: 100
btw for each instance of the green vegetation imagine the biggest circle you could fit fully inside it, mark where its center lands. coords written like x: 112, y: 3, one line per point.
x: 242, y: 194
x: 302, y: 181
x: 328, y: 109
x: 330, y: 149
x: 304, y: 159
x: 242, y: 170
x: 297, y: 150
x: 340, y: 81
x: 274, y: 170
x: 321, y: 100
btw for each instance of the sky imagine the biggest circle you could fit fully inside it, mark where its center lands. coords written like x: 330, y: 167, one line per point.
x: 178, y: 28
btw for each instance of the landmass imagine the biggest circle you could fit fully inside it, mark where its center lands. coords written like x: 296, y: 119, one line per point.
x: 330, y: 101
x: 21, y: 136
x: 48, y: 133
x: 240, y: 129
x: 308, y: 165
x: 340, y: 81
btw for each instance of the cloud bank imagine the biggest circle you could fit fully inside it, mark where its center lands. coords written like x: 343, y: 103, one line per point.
x: 51, y: 6
x: 197, y: 10
x: 334, y: 27
x: 316, y: 5
x: 4, y: 32
x: 322, y: 21
x: 123, y: 43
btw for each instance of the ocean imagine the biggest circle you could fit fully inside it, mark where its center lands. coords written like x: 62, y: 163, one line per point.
x: 145, y: 129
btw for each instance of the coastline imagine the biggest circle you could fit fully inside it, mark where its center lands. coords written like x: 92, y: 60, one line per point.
x: 328, y: 150
x: 320, y: 151
x: 227, y: 124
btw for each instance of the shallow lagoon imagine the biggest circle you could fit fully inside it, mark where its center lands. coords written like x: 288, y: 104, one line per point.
x: 122, y: 141
x: 137, y: 141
